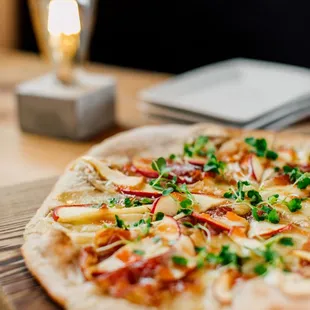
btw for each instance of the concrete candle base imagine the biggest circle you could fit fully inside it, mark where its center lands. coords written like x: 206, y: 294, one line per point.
x: 78, y: 111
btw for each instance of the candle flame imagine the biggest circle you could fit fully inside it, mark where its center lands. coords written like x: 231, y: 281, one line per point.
x: 63, y: 17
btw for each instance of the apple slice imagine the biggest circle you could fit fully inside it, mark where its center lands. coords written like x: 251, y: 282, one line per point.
x: 139, y: 209
x: 170, y: 205
x: 265, y: 229
x: 238, y: 235
x: 80, y: 214
x: 225, y: 222
x: 170, y: 271
x: 229, y: 147
x: 130, y: 218
x: 145, y: 191
x: 166, y: 205
x: 132, y: 252
x: 204, y: 202
x: 144, y: 166
x: 286, y: 155
x: 257, y: 167
x: 222, y: 286
x: 168, y: 228
x: 185, y: 247
x: 305, y: 255
x: 294, y: 285
x: 115, y: 176
x: 197, y: 161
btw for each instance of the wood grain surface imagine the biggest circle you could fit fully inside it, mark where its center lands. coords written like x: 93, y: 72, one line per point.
x: 18, y: 289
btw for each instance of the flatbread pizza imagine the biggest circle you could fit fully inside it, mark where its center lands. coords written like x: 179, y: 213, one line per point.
x: 178, y: 217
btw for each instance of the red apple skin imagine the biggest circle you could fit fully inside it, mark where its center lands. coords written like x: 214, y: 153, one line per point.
x: 274, y: 232
x: 144, y: 167
x: 197, y: 161
x: 154, y: 205
x: 257, y: 175
x: 139, y: 193
x: 55, y: 210
x: 148, y: 174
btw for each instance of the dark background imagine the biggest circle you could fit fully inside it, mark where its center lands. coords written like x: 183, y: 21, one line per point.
x: 175, y: 36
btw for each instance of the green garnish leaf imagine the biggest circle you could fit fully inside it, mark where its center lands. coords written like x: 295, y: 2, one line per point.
x: 255, y: 197
x: 197, y: 147
x: 260, y: 269
x: 159, y: 216
x: 213, y: 165
x: 266, y: 213
x: 273, y: 199
x: 172, y: 156
x: 120, y: 223
x: 146, y: 201
x: 225, y: 257
x: 160, y: 166
x: 188, y: 224
x: 156, y: 239
x: 294, y: 204
x: 127, y: 202
x: 302, y: 179
x: 258, y: 216
x: 186, y: 203
x: 112, y: 202
x: 138, y: 252
x: 261, y: 148
x: 229, y: 195
x: 273, y: 217
x: 186, y: 211
x: 180, y: 260
x: 270, y: 255
x: 271, y: 155
x: 287, y: 241
x: 303, y: 183
x: 167, y: 191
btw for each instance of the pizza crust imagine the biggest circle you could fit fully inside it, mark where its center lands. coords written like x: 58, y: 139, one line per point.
x: 57, y: 271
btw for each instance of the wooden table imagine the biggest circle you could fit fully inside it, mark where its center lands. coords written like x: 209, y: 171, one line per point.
x: 26, y: 157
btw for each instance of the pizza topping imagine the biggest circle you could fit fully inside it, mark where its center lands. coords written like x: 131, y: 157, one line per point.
x: 197, y: 147
x: 260, y: 147
x: 294, y: 204
x: 238, y: 194
x: 177, y: 203
x: 214, y: 165
x: 265, y: 229
x: 223, y: 284
x: 257, y: 168
x: 145, y: 191
x: 115, y: 176
x: 80, y: 213
x: 286, y: 241
x: 166, y: 222
x: 265, y: 213
x: 301, y: 179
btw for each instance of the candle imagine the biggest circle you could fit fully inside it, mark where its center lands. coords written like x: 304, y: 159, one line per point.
x: 64, y: 29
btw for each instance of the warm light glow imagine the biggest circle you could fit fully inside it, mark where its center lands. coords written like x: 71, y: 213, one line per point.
x: 63, y: 17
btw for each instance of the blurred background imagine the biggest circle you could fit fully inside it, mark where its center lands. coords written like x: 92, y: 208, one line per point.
x: 140, y: 44
x: 175, y: 36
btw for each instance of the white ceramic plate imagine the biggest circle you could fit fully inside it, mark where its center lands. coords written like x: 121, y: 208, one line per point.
x: 237, y: 90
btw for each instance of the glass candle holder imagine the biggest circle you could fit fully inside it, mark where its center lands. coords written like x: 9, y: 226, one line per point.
x: 39, y: 17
